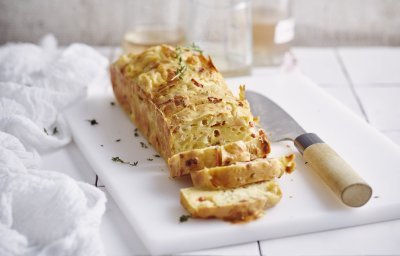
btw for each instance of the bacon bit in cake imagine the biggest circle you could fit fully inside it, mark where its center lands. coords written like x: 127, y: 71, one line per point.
x: 251, y: 124
x: 214, y: 100
x: 179, y: 100
x: 201, y: 199
x: 197, y: 83
x: 216, y: 133
x: 190, y: 162
x: 252, y: 175
x: 201, y: 70
x: 240, y: 104
x: 253, y: 135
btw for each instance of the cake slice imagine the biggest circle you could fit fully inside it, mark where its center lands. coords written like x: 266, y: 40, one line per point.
x: 240, y: 204
x: 242, y: 173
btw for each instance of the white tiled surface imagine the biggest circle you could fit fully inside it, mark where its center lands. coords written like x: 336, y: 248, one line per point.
x: 367, y: 81
x: 372, y: 66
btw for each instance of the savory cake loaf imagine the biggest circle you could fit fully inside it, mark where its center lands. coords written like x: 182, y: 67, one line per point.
x: 180, y: 102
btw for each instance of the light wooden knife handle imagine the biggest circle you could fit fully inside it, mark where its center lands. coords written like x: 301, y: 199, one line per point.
x: 333, y: 170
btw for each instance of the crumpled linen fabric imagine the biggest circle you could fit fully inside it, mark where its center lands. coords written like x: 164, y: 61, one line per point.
x: 44, y: 212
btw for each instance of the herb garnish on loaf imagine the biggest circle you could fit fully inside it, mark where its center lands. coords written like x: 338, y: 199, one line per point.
x: 180, y: 102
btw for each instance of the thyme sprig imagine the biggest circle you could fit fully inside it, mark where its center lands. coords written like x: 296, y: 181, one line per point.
x: 117, y: 159
x: 182, y: 67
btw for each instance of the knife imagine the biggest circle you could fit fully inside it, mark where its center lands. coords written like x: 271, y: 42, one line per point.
x: 348, y: 186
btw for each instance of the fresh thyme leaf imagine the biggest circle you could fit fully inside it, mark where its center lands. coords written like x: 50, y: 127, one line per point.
x: 92, y: 121
x: 196, y: 48
x: 117, y: 159
x: 118, y: 140
x: 143, y: 145
x: 181, y: 63
x: 157, y: 155
x: 45, y: 131
x: 55, y: 130
x: 149, y: 159
x: 184, y: 218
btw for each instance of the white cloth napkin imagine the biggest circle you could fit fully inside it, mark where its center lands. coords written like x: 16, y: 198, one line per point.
x: 44, y: 212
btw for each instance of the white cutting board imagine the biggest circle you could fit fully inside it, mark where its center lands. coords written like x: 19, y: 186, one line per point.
x: 150, y: 200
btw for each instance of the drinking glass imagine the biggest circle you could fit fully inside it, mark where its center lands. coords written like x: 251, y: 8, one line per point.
x: 153, y: 22
x: 273, y: 31
x: 222, y: 29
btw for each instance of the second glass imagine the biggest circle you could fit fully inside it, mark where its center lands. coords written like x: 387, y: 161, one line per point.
x: 223, y: 30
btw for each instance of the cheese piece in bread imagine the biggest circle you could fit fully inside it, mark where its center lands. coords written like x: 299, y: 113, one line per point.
x: 238, y: 151
x: 239, y: 204
x: 242, y: 173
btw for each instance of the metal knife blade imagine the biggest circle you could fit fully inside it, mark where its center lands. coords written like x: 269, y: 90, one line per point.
x: 347, y: 185
x: 276, y: 121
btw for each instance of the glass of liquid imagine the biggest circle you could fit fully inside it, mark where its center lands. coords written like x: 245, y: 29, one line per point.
x: 273, y: 31
x: 222, y: 29
x: 153, y: 22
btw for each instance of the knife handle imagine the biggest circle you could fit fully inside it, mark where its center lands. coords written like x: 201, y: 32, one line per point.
x: 334, y: 171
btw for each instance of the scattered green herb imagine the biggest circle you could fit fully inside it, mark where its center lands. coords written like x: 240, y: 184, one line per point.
x: 92, y: 121
x: 117, y: 159
x: 184, y: 218
x: 45, y: 131
x: 55, y: 130
x: 196, y: 48
x: 181, y: 63
x: 157, y: 155
x: 143, y: 145
x: 118, y: 140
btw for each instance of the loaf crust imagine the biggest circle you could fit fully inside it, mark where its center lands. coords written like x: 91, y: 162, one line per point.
x: 240, y: 204
x: 242, y: 173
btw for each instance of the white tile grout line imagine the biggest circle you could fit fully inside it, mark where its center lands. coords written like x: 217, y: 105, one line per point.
x: 351, y: 84
x: 259, y: 248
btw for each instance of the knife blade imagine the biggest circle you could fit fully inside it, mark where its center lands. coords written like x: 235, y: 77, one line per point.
x: 340, y: 177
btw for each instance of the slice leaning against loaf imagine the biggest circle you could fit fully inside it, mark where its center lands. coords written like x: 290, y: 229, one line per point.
x: 238, y: 151
x: 242, y: 173
x: 240, y: 204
